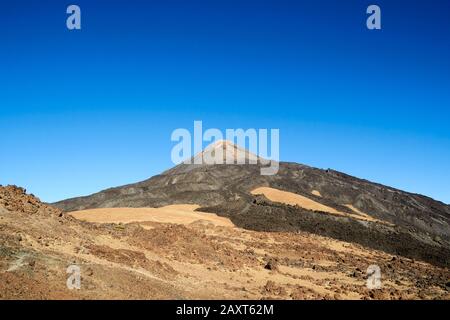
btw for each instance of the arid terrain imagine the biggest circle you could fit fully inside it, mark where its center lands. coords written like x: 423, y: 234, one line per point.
x: 177, y: 253
x: 227, y: 232
x: 298, y: 198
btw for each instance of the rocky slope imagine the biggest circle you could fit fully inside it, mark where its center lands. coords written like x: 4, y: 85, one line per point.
x: 416, y: 226
x: 190, y: 260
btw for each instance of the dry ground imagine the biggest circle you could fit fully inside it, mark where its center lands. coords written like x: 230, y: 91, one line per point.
x: 290, y: 198
x: 177, y: 213
x: 194, y: 258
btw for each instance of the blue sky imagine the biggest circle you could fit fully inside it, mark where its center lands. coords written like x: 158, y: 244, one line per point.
x: 85, y: 110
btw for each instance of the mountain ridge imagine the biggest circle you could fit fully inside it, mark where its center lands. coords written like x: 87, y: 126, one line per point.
x: 225, y: 189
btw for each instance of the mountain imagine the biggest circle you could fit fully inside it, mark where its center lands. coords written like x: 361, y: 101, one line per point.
x: 297, y: 198
x: 227, y: 232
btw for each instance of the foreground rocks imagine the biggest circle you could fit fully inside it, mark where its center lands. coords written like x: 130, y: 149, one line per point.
x: 15, y: 199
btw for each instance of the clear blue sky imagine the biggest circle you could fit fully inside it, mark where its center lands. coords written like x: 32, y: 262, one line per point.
x: 85, y: 110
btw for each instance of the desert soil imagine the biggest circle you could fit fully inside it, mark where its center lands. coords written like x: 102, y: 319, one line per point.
x: 291, y: 198
x: 177, y: 213
x: 175, y: 252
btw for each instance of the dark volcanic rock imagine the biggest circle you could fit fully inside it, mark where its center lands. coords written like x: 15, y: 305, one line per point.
x: 272, y: 264
x: 421, y: 228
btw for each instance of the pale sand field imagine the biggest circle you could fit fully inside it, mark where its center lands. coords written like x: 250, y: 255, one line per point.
x: 176, y: 214
x: 185, y: 254
x: 290, y: 198
x: 294, y: 199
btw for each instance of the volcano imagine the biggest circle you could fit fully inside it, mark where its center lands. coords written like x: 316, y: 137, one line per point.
x: 297, y: 198
x: 224, y: 231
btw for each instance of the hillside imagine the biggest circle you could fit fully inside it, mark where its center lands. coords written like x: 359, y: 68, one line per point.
x: 178, y: 253
x: 396, y: 222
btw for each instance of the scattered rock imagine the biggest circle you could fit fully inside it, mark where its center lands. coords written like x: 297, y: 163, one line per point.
x: 16, y: 199
x: 274, y: 289
x: 272, y: 264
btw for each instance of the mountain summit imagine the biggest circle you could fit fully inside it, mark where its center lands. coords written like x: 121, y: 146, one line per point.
x: 226, y: 152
